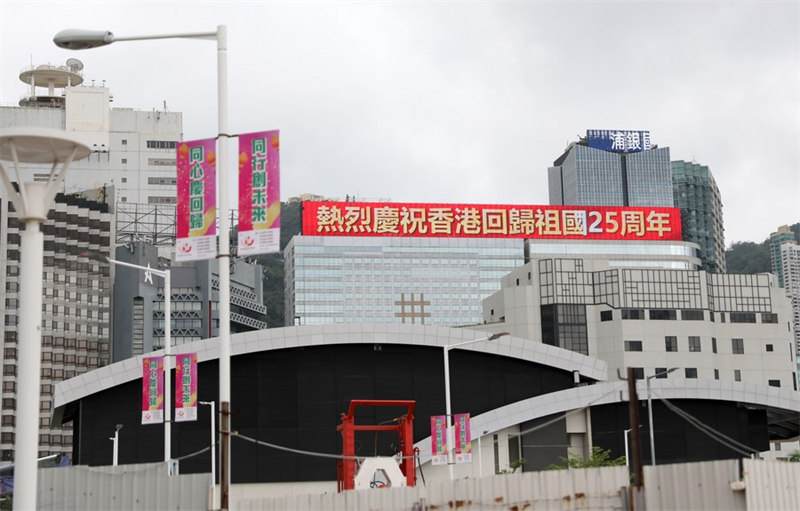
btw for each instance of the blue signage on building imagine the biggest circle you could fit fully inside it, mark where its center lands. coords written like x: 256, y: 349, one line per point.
x: 618, y: 141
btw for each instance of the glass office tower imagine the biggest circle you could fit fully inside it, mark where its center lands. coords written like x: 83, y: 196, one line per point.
x: 432, y: 281
x: 697, y: 196
x: 587, y: 176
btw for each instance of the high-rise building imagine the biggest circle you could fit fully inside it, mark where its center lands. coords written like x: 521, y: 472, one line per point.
x: 132, y: 150
x: 76, y: 315
x: 776, y: 239
x: 790, y: 269
x: 696, y: 194
x: 612, y: 168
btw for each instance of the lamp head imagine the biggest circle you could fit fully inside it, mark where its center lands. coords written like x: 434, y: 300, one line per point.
x: 78, y: 39
x: 496, y: 336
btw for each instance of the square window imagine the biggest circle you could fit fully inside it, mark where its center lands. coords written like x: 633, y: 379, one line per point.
x: 691, y: 372
x: 737, y: 346
x: 633, y: 345
x: 694, y: 343
x: 770, y: 347
x: 671, y: 343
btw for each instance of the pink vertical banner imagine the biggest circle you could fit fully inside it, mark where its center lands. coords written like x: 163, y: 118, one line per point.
x: 153, y: 390
x: 439, y: 440
x: 463, y: 447
x: 196, y: 213
x: 259, y: 193
x: 186, y: 387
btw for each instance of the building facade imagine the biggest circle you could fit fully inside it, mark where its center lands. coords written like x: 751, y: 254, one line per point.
x: 708, y: 326
x: 696, y: 193
x: 790, y: 266
x: 133, y: 151
x: 76, y: 315
x: 139, y: 315
x: 626, y: 175
x: 432, y: 281
x: 783, y: 235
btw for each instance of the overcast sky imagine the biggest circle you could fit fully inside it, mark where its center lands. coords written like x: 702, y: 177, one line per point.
x: 462, y: 102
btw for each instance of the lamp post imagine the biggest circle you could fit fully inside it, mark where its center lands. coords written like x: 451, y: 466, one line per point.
x: 167, y: 344
x: 83, y: 39
x: 115, y: 439
x: 213, y: 452
x: 450, y: 434
x: 650, y: 413
x: 32, y: 201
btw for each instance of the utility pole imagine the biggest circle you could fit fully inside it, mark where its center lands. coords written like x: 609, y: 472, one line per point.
x: 633, y: 417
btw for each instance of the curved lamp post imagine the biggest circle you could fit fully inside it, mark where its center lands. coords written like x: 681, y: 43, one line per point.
x: 75, y: 39
x: 450, y: 433
x: 32, y: 202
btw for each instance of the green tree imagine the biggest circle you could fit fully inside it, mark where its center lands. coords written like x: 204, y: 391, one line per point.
x: 794, y: 457
x: 748, y: 257
x: 599, y: 458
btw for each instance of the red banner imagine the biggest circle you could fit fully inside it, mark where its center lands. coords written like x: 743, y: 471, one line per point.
x: 490, y: 221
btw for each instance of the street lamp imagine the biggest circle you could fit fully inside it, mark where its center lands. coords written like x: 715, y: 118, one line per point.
x: 167, y: 343
x: 32, y: 201
x: 450, y: 434
x: 213, y: 452
x: 115, y: 439
x: 650, y: 413
x: 73, y: 39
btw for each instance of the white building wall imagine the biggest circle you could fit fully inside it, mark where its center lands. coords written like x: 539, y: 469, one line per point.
x: 768, y: 355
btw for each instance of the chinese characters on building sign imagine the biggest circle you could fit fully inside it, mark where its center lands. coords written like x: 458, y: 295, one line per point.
x: 196, y: 211
x: 490, y: 221
x: 439, y: 440
x: 153, y: 390
x: 259, y: 193
x: 186, y: 387
x: 463, y: 450
x: 619, y: 141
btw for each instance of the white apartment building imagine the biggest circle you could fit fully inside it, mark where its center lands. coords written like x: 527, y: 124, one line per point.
x: 132, y: 150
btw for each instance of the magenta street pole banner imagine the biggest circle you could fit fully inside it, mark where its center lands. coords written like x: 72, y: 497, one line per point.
x: 196, y: 213
x: 438, y: 440
x: 153, y: 390
x: 463, y: 440
x: 259, y: 193
x: 186, y: 387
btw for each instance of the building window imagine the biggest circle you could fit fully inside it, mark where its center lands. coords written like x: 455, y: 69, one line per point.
x: 769, y: 317
x: 770, y: 347
x: 737, y: 346
x: 691, y: 372
x: 716, y: 374
x: 737, y: 375
x: 633, y: 345
x: 161, y: 144
x: 639, y: 373
x: 713, y: 344
x: 774, y: 383
x: 692, y: 315
x: 124, y: 161
x: 671, y: 343
x: 694, y: 343
x: 743, y: 317
x: 606, y: 315
x: 661, y: 372
x: 632, y: 313
x: 663, y: 314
